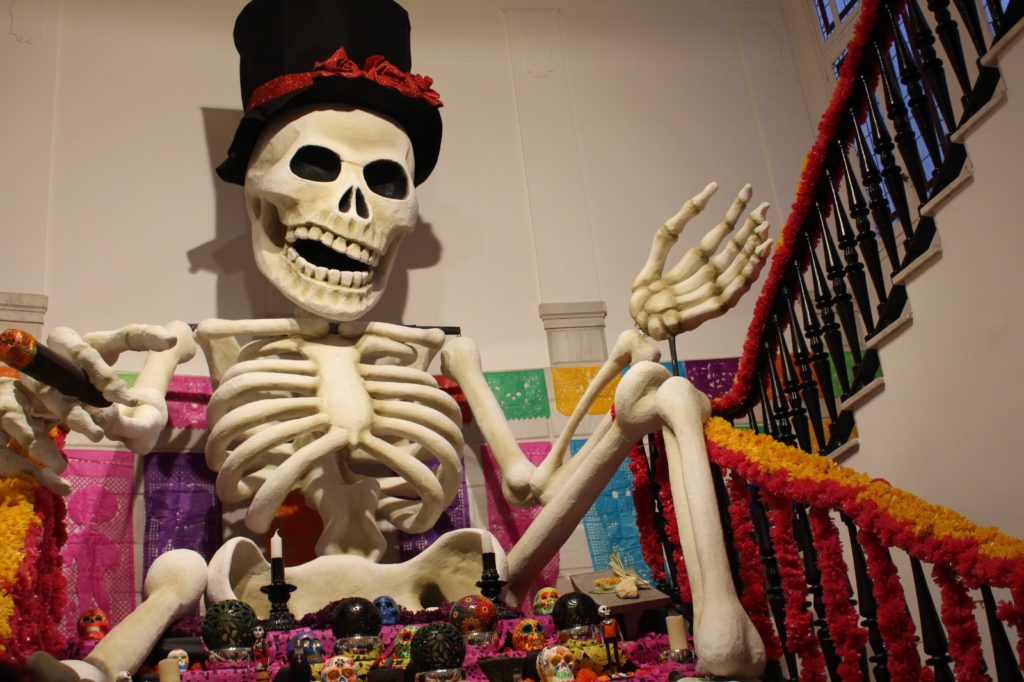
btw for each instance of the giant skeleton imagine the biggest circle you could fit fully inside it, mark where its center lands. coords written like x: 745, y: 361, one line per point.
x: 345, y: 410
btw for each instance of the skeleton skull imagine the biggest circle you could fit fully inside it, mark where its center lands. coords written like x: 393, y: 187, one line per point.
x: 555, y: 663
x: 93, y: 624
x: 330, y: 195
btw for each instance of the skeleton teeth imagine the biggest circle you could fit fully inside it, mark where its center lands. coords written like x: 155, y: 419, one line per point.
x: 333, y: 276
x: 327, y: 239
x: 291, y: 254
x: 364, y: 255
x: 290, y: 236
x: 346, y: 278
x: 301, y: 232
x: 309, y: 270
x: 353, y: 251
x: 339, y: 244
x: 321, y: 274
x: 315, y: 232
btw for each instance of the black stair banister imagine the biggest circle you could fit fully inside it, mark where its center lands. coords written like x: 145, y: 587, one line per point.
x: 1007, y: 667
x: 932, y: 70
x: 808, y: 387
x: 829, y: 327
x: 933, y: 636
x: 949, y: 36
x: 866, y: 240
x: 842, y: 302
x: 891, y: 173
x: 867, y: 606
x: 878, y: 204
x: 791, y: 385
x: 904, y: 135
x: 818, y: 357
x: 854, y: 269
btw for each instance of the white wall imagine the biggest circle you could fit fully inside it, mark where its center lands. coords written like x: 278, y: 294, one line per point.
x: 135, y: 101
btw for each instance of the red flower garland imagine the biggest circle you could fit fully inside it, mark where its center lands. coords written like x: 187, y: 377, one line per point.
x: 668, y: 510
x: 842, y: 619
x: 643, y: 501
x: 799, y: 633
x: 958, y: 618
x: 894, y: 623
x: 828, y: 128
x: 754, y: 597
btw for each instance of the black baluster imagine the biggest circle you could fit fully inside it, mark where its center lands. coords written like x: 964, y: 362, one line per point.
x: 892, y: 176
x: 818, y: 357
x: 752, y: 419
x: 1007, y: 669
x: 805, y: 540
x: 808, y: 387
x: 934, y: 636
x: 931, y: 66
x: 780, y: 406
x: 968, y: 12
x: 854, y: 268
x: 791, y: 384
x: 829, y: 327
x: 767, y: 418
x: 949, y: 36
x: 865, y: 236
x: 920, y: 105
x: 722, y: 496
x: 867, y: 606
x: 872, y: 179
x: 906, y: 140
x: 776, y: 596
x: 842, y: 302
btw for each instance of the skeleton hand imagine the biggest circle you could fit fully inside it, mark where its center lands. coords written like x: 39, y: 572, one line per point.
x: 28, y: 408
x: 703, y: 284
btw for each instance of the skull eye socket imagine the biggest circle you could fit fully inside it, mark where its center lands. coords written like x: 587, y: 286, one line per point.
x: 315, y: 163
x: 387, y: 179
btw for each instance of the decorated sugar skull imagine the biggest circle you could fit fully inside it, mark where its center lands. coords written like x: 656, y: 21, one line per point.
x: 555, y: 663
x: 330, y: 195
x: 338, y: 669
x: 93, y: 624
x: 474, y: 613
x: 402, y: 651
x: 544, y: 601
x: 388, y: 609
x: 306, y: 647
x: 181, y: 656
x: 528, y: 635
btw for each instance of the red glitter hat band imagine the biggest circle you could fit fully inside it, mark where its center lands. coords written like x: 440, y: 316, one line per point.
x: 375, y: 68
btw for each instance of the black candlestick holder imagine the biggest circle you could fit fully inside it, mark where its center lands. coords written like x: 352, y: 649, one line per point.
x: 278, y: 592
x: 490, y: 585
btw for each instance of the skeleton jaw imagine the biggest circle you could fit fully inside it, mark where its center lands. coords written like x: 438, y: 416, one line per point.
x: 337, y: 272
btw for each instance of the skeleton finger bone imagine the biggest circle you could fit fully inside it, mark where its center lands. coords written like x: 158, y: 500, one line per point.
x: 136, y: 337
x: 68, y: 343
x: 667, y: 235
x: 173, y: 585
x: 725, y: 263
x: 694, y: 258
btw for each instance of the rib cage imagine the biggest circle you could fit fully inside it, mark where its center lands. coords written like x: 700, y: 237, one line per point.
x: 351, y: 420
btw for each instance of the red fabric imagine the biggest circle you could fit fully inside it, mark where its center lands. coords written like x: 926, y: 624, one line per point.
x: 338, y: 65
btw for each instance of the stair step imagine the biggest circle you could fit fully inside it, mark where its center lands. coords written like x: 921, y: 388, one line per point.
x: 920, y: 265
x: 899, y: 325
x: 996, y: 52
x: 961, y: 181
x: 861, y: 397
x: 998, y: 99
x: 845, y: 451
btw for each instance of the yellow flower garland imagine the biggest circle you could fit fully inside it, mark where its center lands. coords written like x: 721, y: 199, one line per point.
x: 925, y: 518
x: 17, y: 515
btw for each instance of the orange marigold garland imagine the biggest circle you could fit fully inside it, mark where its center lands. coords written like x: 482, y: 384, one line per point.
x: 842, y: 619
x: 753, y: 596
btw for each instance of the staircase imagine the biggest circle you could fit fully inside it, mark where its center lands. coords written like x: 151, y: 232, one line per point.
x: 885, y: 339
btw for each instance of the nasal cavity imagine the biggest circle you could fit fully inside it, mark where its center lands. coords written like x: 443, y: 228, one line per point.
x: 354, y: 194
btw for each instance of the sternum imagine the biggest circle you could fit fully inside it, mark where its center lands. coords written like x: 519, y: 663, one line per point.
x: 343, y: 397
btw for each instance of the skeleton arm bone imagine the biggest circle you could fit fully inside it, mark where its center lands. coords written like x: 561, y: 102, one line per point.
x: 522, y: 482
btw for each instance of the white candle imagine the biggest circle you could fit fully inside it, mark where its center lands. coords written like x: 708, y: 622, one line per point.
x: 168, y: 670
x: 486, y: 543
x: 276, y: 548
x: 676, y: 627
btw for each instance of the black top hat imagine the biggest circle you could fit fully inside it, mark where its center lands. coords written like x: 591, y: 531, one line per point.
x: 351, y: 52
